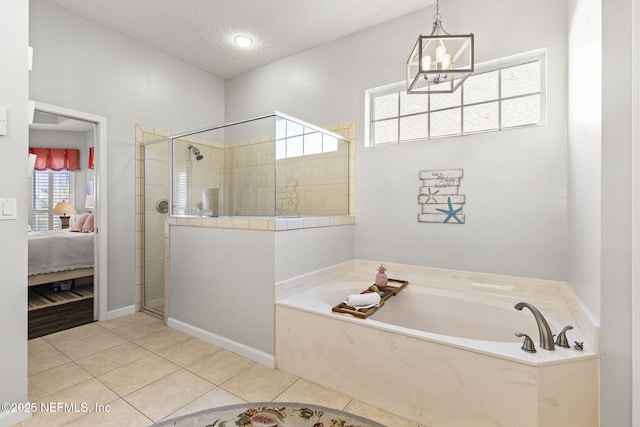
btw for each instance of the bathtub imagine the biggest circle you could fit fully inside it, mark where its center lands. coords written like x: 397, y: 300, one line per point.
x: 443, y: 351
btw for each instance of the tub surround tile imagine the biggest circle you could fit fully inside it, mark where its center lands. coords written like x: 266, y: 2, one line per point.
x: 376, y: 414
x: 556, y: 300
x: 565, y: 406
x: 453, y: 389
x: 302, y: 283
x: 439, y: 379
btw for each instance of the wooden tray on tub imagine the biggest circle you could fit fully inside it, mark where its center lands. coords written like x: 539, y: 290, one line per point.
x: 387, y: 292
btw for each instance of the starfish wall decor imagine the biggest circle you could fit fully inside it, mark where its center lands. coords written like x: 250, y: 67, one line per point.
x: 439, y: 199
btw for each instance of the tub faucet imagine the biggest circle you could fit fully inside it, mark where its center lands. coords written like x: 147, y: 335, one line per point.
x: 546, y: 337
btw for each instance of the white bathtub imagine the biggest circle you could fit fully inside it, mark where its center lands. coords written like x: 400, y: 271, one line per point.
x: 443, y: 351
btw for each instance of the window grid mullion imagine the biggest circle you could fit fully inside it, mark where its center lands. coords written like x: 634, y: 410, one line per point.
x: 50, y: 197
x: 429, y: 117
x: 462, y: 110
x: 500, y: 100
x: 398, y: 118
x: 462, y: 106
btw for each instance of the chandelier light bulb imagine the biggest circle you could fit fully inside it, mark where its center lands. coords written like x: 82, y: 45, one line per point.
x: 426, y: 62
x: 445, y: 61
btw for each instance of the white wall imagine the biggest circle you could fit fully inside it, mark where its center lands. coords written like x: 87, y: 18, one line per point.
x: 222, y: 281
x: 584, y: 148
x: 615, y: 277
x: 301, y: 251
x: 85, y: 67
x: 14, y: 91
x: 515, y: 181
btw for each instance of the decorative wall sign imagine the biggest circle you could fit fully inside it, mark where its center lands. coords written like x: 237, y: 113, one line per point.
x: 439, y: 198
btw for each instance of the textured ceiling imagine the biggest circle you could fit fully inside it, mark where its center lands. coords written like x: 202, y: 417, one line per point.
x: 201, y: 32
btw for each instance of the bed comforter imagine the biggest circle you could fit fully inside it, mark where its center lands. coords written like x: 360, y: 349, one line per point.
x: 59, y: 250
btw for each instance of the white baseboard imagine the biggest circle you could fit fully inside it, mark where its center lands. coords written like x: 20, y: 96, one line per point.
x: 8, y: 419
x: 123, y: 311
x: 226, y: 343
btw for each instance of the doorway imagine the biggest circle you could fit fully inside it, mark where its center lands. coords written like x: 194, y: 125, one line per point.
x: 95, y: 126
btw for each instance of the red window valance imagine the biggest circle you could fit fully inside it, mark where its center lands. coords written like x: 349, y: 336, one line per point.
x: 92, y: 161
x: 56, y: 159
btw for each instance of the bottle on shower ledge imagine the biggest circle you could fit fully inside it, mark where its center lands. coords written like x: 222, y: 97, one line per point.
x: 381, y: 277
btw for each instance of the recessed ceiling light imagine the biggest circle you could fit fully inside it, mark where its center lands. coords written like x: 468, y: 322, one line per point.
x: 243, y: 41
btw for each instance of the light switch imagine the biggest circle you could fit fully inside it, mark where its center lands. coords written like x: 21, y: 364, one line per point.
x: 9, y: 207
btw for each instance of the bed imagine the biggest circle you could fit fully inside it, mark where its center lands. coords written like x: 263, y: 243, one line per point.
x: 56, y: 257
x: 59, y: 255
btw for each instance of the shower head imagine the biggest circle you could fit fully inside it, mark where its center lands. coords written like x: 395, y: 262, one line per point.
x: 196, y: 152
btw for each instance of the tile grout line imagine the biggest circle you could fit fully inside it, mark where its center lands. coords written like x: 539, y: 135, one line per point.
x: 156, y: 353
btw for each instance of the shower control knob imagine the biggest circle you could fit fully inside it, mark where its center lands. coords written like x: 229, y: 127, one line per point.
x: 561, y: 341
x: 527, y: 345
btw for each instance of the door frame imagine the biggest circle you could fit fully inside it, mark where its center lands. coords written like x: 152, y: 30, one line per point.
x: 635, y: 216
x: 100, y: 240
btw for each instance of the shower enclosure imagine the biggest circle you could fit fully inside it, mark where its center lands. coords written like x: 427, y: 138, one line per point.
x: 272, y: 166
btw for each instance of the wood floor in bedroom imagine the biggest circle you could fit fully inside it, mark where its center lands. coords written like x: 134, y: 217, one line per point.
x: 135, y: 371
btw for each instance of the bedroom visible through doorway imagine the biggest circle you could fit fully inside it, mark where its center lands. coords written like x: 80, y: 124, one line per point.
x: 67, y: 253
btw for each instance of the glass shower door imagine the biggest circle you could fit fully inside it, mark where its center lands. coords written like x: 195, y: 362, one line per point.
x: 156, y: 209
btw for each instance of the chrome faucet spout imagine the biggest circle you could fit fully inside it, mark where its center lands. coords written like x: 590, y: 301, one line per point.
x: 546, y: 336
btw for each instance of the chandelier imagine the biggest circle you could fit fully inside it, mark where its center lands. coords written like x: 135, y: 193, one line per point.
x: 439, y: 62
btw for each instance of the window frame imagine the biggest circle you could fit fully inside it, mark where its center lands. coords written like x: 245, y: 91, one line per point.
x: 486, y: 67
x: 53, y: 222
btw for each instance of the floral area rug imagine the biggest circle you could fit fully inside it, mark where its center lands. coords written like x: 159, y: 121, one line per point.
x: 270, y: 414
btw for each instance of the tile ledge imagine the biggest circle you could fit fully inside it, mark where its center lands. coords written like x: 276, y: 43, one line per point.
x: 261, y: 223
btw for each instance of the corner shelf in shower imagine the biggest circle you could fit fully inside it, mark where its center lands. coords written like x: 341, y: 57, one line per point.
x: 387, y: 292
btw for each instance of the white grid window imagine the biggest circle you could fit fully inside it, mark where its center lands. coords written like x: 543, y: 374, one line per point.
x: 295, y: 140
x: 505, y: 95
x: 49, y: 188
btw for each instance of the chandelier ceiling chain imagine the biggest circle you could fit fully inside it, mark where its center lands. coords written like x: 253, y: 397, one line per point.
x: 437, y: 20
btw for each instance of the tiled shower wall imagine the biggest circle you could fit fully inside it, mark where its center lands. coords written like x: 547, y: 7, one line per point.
x: 152, y: 184
x: 249, y: 175
x: 193, y: 176
x: 246, y: 188
x: 312, y: 185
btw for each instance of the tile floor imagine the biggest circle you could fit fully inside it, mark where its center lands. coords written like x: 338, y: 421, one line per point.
x: 136, y: 371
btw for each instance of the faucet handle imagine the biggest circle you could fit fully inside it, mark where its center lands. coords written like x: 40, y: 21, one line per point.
x: 527, y: 345
x: 561, y: 341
